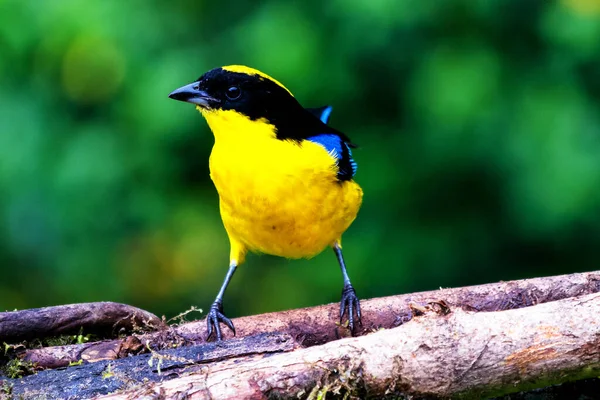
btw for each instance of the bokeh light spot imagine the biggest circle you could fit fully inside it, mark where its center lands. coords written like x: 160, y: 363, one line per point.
x: 583, y: 7
x: 93, y: 70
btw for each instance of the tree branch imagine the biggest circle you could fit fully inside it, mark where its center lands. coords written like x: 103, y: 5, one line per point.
x: 449, y: 348
x: 462, y: 354
x: 317, y: 325
x: 104, y: 319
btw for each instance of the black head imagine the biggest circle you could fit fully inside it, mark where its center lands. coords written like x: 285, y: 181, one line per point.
x: 255, y: 95
x: 242, y: 89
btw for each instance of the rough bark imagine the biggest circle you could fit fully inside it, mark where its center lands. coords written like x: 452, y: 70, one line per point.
x: 102, y: 377
x: 460, y: 354
x: 104, y: 319
x: 317, y: 325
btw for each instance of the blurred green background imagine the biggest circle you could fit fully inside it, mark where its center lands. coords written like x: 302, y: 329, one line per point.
x: 478, y: 124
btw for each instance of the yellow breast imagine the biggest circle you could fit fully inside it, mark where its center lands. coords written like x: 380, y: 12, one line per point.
x: 278, y: 197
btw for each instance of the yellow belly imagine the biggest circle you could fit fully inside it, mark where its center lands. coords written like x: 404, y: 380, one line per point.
x: 280, y: 198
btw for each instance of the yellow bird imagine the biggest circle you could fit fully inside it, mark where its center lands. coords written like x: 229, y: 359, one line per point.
x: 284, y: 177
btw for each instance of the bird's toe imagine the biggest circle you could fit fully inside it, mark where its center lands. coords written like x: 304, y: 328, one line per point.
x: 214, y: 318
x: 350, y: 305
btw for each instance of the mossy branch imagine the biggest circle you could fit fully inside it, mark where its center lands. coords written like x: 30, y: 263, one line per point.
x: 103, y: 319
x: 463, y: 354
x: 474, y: 341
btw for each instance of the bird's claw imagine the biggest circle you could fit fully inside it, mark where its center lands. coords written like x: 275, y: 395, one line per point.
x: 351, y: 305
x: 214, y: 317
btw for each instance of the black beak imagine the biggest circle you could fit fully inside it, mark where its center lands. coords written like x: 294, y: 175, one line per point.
x: 192, y: 94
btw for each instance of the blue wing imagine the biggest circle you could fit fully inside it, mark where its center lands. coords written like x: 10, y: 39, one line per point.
x: 340, y: 151
x: 335, y: 145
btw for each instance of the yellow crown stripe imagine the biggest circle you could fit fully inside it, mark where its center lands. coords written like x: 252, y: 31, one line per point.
x: 242, y: 69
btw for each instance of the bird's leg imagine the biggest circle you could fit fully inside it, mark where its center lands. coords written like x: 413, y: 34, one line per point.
x: 215, y: 314
x: 349, y: 302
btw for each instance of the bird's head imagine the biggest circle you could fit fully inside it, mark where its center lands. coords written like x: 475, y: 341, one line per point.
x: 241, y: 102
x: 241, y: 90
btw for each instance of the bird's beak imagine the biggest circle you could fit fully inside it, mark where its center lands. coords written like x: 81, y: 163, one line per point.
x: 192, y: 94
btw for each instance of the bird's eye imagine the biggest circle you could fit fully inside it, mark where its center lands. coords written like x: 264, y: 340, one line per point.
x: 233, y: 93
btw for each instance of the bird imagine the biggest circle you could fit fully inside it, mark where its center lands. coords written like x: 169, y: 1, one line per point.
x: 284, y: 177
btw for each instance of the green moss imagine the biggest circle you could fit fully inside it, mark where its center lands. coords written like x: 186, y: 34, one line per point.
x: 17, y: 368
x: 342, y: 381
x: 64, y: 340
x: 6, y: 388
x: 108, y: 373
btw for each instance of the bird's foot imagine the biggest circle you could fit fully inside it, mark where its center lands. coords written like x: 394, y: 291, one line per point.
x: 214, y: 317
x: 350, y: 305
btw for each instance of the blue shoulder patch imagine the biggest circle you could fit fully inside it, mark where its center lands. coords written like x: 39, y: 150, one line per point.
x: 335, y: 143
x: 340, y: 151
